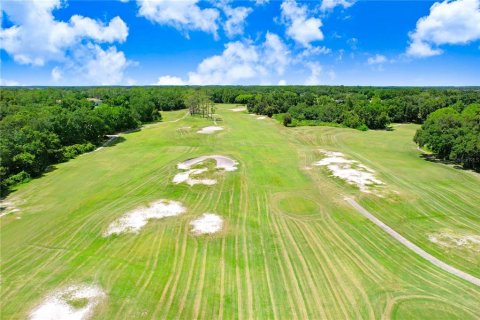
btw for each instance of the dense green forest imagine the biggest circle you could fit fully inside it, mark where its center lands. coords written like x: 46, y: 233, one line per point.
x: 453, y: 135
x: 43, y: 126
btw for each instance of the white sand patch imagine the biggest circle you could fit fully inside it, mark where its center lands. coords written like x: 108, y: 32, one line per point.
x: 239, y: 109
x: 351, y: 171
x: 210, y: 130
x: 208, y: 223
x: 450, y: 239
x: 133, y: 221
x: 7, y: 207
x: 261, y: 118
x: 223, y: 162
x: 76, y: 302
x: 188, y: 176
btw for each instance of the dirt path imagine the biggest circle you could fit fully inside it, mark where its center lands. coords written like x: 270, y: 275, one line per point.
x: 111, y: 139
x: 160, y: 122
x: 411, y: 246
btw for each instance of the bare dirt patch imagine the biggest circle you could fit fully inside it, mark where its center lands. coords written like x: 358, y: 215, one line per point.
x: 76, y: 302
x: 7, y: 207
x: 135, y: 220
x: 239, y: 109
x: 190, y: 174
x: 261, y: 118
x: 451, y: 239
x: 351, y: 171
x: 210, y: 130
x: 208, y: 223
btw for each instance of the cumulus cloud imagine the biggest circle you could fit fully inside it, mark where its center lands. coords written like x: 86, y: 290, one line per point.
x: 56, y: 74
x: 106, y: 67
x: 184, y: 15
x: 377, y: 59
x: 276, y: 53
x: 315, y: 72
x: 330, y: 4
x: 236, y: 18
x: 37, y: 38
x: 449, y: 22
x: 170, y: 81
x: 240, y: 62
x: 300, y: 27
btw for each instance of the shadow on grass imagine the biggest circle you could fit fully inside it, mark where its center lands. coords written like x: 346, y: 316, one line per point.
x: 134, y: 130
x: 114, y: 142
x: 453, y: 164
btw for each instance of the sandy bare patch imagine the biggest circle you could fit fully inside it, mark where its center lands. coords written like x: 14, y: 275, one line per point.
x: 454, y: 240
x: 210, y: 130
x: 133, y: 221
x: 350, y: 171
x: 208, y: 223
x: 261, y: 118
x: 7, y: 207
x: 239, y: 109
x: 76, y: 302
x: 188, y: 176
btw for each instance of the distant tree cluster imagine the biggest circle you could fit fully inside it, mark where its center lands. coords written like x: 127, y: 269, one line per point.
x: 40, y: 127
x: 354, y: 107
x: 199, y: 103
x: 453, y: 135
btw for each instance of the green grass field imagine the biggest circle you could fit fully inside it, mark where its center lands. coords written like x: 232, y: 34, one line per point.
x: 291, y: 247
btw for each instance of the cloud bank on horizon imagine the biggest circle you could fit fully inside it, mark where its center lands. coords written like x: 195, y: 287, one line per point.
x: 196, y: 42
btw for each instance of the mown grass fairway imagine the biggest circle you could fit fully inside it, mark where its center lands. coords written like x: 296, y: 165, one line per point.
x: 290, y: 248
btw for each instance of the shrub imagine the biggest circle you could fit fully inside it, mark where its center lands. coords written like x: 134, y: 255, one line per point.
x: 287, y: 119
x: 18, y: 178
x: 70, y: 152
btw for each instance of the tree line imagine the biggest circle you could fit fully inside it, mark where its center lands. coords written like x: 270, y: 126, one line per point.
x: 40, y: 127
x: 43, y: 126
x: 453, y: 135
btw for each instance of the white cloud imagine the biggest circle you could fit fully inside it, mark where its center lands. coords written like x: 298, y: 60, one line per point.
x: 282, y: 82
x: 449, y: 22
x: 313, y: 51
x: 170, y: 81
x: 377, y: 59
x: 37, y: 38
x: 106, y: 67
x: 353, y: 43
x: 236, y: 18
x: 300, y: 27
x: 56, y: 74
x: 184, y: 15
x: 240, y: 62
x: 276, y: 53
x: 315, y: 72
x: 330, y: 4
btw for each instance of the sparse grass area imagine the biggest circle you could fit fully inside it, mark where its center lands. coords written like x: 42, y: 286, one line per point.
x: 291, y: 246
x: 78, y: 303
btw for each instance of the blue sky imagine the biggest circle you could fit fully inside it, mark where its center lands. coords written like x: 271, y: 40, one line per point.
x: 54, y: 42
